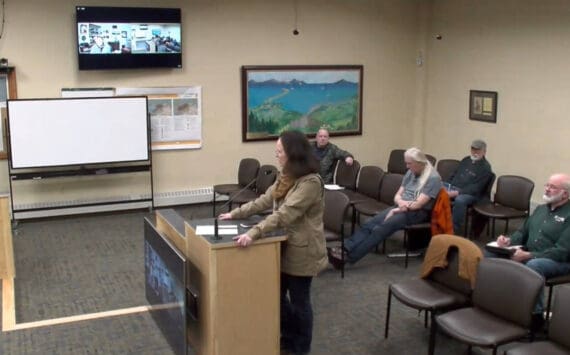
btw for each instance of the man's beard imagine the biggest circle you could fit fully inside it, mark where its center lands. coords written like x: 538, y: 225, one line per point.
x: 476, y: 157
x: 554, y: 198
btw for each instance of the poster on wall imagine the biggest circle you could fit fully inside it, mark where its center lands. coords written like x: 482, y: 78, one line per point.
x: 175, y: 115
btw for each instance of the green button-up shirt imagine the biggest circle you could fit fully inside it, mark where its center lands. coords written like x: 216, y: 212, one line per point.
x: 546, y: 233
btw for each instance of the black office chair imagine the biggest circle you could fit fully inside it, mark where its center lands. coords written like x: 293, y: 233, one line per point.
x: 431, y: 159
x: 265, y: 178
x: 551, y: 282
x: 388, y: 188
x: 442, y: 290
x: 247, y: 172
x: 336, y: 206
x: 503, y: 301
x: 511, y: 201
x: 367, y: 185
x: 446, y: 168
x: 558, y: 342
x: 478, y: 222
x: 396, y: 163
x: 416, y: 234
x: 346, y: 175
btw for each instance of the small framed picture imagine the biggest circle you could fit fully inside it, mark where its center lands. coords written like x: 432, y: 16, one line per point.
x: 483, y: 106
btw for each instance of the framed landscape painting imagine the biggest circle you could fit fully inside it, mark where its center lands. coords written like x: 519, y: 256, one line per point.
x: 301, y: 97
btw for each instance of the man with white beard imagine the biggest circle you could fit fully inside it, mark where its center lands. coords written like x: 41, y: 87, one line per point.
x: 544, y: 238
x: 467, y: 184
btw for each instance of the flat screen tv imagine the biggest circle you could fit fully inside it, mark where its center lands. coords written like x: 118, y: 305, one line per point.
x: 128, y: 37
x: 165, y: 273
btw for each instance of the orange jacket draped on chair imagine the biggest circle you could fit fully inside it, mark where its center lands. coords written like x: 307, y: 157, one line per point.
x: 441, y: 221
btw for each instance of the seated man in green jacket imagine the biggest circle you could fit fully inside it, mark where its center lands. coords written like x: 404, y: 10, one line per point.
x: 544, y: 238
x: 327, y: 154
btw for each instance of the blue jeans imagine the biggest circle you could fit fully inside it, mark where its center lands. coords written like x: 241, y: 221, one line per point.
x: 377, y: 229
x: 296, y: 313
x: 545, y: 267
x: 458, y: 210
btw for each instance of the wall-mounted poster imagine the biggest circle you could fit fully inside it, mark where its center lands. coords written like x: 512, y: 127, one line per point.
x: 175, y: 115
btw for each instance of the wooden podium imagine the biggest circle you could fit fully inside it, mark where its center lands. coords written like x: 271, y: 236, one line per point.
x: 238, y: 288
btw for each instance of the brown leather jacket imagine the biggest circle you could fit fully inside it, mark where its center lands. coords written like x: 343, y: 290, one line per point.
x: 300, y: 214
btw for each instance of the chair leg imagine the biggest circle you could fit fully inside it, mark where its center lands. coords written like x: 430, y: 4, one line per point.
x: 426, y: 318
x: 506, y: 227
x: 342, y: 252
x: 406, y: 247
x: 388, y: 313
x: 432, y: 333
x: 353, y: 220
x: 214, y: 204
x: 550, y: 289
x: 466, y: 224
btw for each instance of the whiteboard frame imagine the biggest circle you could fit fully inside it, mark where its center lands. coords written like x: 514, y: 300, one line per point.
x: 85, y: 111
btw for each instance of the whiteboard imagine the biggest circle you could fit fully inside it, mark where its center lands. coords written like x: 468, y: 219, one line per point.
x: 77, y: 131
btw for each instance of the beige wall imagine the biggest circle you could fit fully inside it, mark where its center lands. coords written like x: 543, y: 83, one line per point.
x: 220, y: 36
x: 519, y: 49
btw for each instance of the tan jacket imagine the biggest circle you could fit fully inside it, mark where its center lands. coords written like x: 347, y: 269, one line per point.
x: 300, y: 215
x: 436, y: 256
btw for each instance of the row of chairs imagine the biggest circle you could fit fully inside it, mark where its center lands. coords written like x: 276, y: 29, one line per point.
x: 365, y: 189
x: 486, y: 315
x: 370, y: 189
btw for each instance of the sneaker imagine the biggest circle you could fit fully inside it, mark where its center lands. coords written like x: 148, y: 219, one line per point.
x: 335, y: 258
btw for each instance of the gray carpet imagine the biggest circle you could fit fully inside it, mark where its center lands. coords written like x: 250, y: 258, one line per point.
x: 86, y: 264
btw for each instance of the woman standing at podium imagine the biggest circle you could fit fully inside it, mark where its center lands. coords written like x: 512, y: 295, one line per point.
x: 297, y: 200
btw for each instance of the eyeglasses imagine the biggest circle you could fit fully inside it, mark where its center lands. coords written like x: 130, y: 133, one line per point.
x: 553, y: 187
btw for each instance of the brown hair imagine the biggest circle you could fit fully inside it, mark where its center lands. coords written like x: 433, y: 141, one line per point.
x: 300, y: 158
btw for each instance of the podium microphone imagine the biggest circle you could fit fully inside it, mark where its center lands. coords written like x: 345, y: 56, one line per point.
x: 231, y: 199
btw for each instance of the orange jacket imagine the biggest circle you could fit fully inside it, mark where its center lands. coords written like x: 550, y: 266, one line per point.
x: 441, y: 221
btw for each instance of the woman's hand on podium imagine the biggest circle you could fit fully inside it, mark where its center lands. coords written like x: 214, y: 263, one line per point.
x: 224, y: 216
x: 243, y: 240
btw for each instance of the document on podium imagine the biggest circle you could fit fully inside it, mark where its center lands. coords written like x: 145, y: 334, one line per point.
x: 223, y: 229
